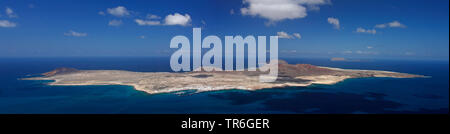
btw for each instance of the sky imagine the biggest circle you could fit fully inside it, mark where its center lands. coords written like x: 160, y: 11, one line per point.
x: 374, y: 29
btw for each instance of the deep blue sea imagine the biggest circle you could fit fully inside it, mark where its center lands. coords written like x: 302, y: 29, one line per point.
x: 364, y: 95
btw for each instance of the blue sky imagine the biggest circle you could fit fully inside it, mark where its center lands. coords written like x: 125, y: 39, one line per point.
x: 388, y: 29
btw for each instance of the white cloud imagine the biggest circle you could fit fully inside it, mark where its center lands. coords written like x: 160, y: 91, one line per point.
x: 177, y: 19
x: 283, y: 35
x: 75, y: 34
x: 171, y: 19
x: 393, y: 24
x: 369, y: 47
x: 313, y: 2
x: 7, y: 24
x: 368, y: 31
x: 10, y: 13
x: 141, y: 22
x: 380, y: 26
x: 396, y: 24
x: 115, y: 23
x: 119, y: 11
x: 274, y: 10
x: 334, y: 22
x: 152, y: 16
x: 278, y: 10
x: 297, y: 35
x: 142, y: 37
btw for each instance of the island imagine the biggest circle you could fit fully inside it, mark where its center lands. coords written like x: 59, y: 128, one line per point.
x: 289, y: 75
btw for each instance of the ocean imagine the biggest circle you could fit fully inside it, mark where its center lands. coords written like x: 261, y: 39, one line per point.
x: 353, y: 96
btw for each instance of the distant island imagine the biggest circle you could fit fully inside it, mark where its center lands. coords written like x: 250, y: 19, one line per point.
x: 163, y: 82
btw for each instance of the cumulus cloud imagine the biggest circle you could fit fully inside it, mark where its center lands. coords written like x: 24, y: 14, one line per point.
x: 119, y: 11
x: 115, y: 23
x: 177, y: 19
x: 396, y: 24
x: 380, y: 26
x: 278, y: 10
x: 368, y: 31
x: 75, y: 34
x: 141, y: 22
x: 393, y: 24
x: 152, y: 16
x: 7, y: 24
x: 285, y: 35
x: 334, y: 22
x: 297, y: 35
x: 150, y: 19
x: 10, y: 13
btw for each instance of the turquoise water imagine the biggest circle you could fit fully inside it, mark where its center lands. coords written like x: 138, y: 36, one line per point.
x: 365, y: 95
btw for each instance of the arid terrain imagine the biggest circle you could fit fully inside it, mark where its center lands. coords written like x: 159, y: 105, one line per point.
x: 163, y: 82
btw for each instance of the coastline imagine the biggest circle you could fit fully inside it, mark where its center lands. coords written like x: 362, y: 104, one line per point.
x: 165, y: 82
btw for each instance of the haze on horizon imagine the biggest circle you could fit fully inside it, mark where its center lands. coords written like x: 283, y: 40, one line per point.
x: 400, y: 29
